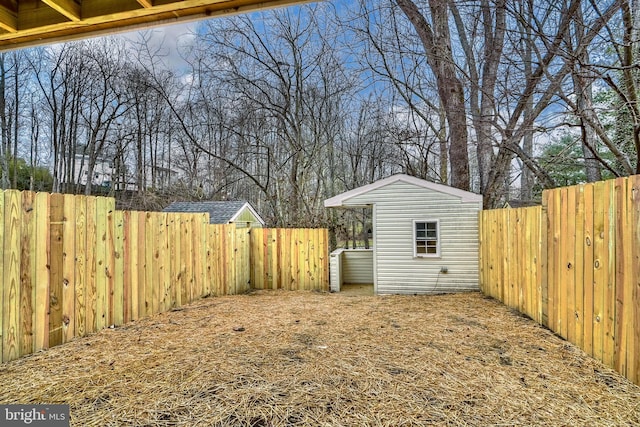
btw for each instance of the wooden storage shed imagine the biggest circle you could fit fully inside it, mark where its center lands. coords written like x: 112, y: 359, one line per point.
x: 240, y: 212
x: 425, y: 238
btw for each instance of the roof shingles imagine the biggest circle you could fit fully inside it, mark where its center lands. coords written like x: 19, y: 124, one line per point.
x: 219, y: 212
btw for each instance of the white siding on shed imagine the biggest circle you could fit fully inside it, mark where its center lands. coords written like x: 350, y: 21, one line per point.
x: 357, y: 266
x: 335, y: 270
x: 350, y: 266
x: 396, y: 206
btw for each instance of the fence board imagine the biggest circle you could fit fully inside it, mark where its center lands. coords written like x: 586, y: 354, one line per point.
x: 173, y: 234
x: 56, y: 213
x: 27, y: 273
x: 141, y: 219
x: 213, y: 272
x: 634, y: 349
x: 600, y: 264
x: 242, y: 265
x: 522, y: 257
x: 11, y: 276
x: 185, y: 261
x: 588, y: 269
x: 101, y: 264
x: 128, y: 297
x: 162, y: 281
x: 2, y: 283
x: 610, y: 293
x: 546, y: 263
x: 118, y: 269
x: 257, y: 267
x: 323, y: 260
x: 42, y: 278
x: 150, y: 293
x: 198, y: 222
x: 578, y: 269
x: 68, y: 268
x: 554, y: 261
x: 569, y: 265
x: 503, y: 263
x: 91, y: 313
x: 293, y: 277
x: 497, y: 260
x: 80, y: 265
x: 109, y: 268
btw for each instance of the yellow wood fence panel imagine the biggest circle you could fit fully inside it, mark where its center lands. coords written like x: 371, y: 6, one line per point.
x: 574, y: 266
x: 72, y: 265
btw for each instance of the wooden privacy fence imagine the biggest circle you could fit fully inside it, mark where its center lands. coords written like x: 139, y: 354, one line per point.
x: 573, y: 265
x: 71, y: 265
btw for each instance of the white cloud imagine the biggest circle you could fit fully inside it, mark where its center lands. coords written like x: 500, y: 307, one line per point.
x: 170, y: 41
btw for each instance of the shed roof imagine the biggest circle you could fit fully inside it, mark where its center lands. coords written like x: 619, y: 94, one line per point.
x: 221, y: 212
x: 341, y: 199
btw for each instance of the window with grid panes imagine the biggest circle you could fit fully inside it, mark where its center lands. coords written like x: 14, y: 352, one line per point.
x: 426, y: 238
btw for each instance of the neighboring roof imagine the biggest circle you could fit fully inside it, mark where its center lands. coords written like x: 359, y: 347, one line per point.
x: 219, y: 212
x: 340, y: 199
x: 516, y: 203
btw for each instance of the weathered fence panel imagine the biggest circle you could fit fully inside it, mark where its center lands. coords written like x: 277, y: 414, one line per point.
x: 71, y: 265
x: 574, y: 266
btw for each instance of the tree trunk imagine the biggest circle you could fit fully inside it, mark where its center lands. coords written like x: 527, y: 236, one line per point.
x: 437, y: 45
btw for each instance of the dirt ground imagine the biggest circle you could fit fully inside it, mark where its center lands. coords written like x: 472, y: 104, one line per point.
x: 320, y: 359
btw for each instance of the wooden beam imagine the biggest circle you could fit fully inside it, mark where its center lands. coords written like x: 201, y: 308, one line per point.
x: 8, y: 20
x: 68, y: 8
x: 146, y: 3
x: 55, y: 23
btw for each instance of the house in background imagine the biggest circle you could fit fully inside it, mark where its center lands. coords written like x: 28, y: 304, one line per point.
x: 102, y: 171
x: 240, y: 213
x: 425, y: 238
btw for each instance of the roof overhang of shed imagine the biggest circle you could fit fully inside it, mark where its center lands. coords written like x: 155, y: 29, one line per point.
x: 26, y: 23
x: 343, y: 200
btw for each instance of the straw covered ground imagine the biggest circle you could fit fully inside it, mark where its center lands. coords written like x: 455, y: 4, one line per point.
x: 307, y: 358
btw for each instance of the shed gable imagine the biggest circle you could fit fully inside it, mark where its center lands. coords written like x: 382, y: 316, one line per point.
x: 366, y: 195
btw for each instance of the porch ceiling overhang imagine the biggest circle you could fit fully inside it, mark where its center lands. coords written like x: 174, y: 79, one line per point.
x: 26, y: 23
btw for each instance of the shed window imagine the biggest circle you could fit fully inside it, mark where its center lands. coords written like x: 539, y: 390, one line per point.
x: 426, y: 238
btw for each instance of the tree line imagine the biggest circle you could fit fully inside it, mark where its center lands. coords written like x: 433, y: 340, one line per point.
x: 289, y: 107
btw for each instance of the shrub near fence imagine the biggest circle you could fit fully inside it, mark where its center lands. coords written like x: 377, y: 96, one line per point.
x: 574, y: 266
x: 71, y: 265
